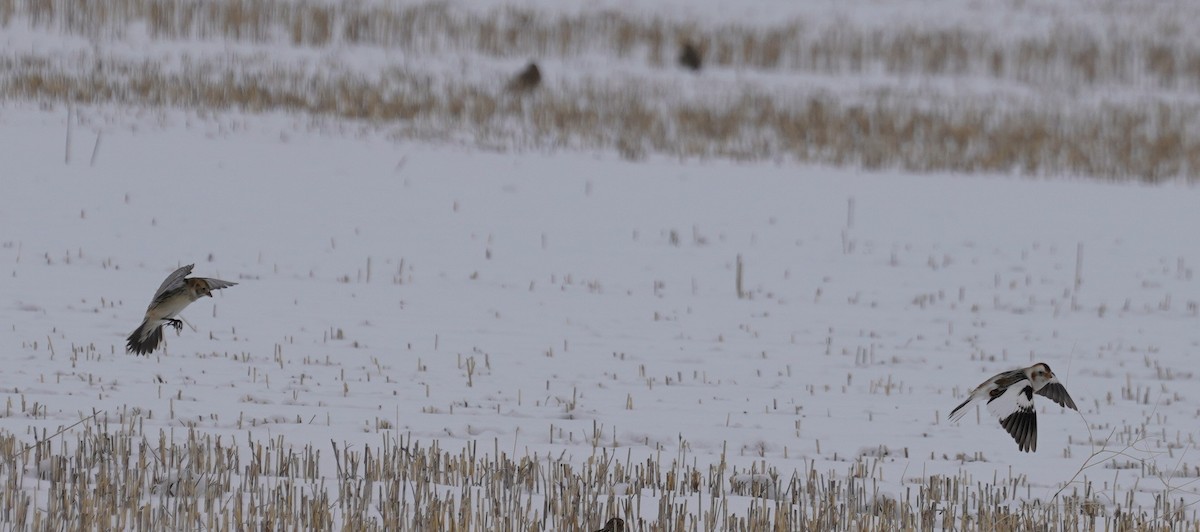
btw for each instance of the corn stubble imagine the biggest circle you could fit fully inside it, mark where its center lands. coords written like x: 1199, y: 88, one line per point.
x: 110, y: 474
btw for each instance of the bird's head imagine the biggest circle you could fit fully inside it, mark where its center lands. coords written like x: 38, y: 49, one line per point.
x: 199, y: 287
x: 1040, y: 372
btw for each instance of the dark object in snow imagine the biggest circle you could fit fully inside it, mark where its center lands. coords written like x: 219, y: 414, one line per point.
x: 690, y: 57
x: 527, y: 80
x: 615, y: 524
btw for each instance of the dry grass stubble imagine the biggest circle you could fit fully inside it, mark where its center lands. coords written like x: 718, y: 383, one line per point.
x: 1148, y: 139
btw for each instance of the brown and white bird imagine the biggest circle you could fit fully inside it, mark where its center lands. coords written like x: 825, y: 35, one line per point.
x: 1010, y: 398
x: 176, y: 293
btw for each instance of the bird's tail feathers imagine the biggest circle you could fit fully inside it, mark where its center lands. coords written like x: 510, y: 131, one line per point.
x: 960, y: 410
x: 144, y: 339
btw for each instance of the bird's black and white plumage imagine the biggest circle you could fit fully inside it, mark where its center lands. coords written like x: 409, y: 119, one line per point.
x: 1009, y: 397
x: 176, y: 293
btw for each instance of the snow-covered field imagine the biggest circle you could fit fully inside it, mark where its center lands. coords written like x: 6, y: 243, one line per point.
x: 560, y: 304
x: 577, y: 315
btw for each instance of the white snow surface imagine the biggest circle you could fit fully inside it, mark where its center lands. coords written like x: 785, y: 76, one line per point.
x: 593, y: 294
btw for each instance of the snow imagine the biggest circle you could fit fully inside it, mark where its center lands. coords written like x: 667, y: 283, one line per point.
x: 595, y: 299
x: 570, y: 303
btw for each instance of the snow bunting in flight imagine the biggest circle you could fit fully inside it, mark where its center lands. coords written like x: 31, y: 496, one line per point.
x: 172, y: 297
x: 1010, y: 398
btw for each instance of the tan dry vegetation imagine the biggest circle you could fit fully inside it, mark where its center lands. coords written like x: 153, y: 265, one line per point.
x: 1160, y: 55
x: 1141, y: 138
x: 1151, y: 142
x: 98, y: 476
x: 1146, y: 139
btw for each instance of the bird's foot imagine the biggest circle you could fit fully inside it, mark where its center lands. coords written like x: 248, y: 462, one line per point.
x: 177, y: 324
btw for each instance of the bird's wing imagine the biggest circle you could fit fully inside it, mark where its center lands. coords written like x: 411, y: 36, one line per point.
x: 172, y: 282
x: 1009, y: 378
x: 1014, y: 408
x: 1004, y: 401
x: 990, y: 389
x: 216, y: 284
x: 1057, y: 393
